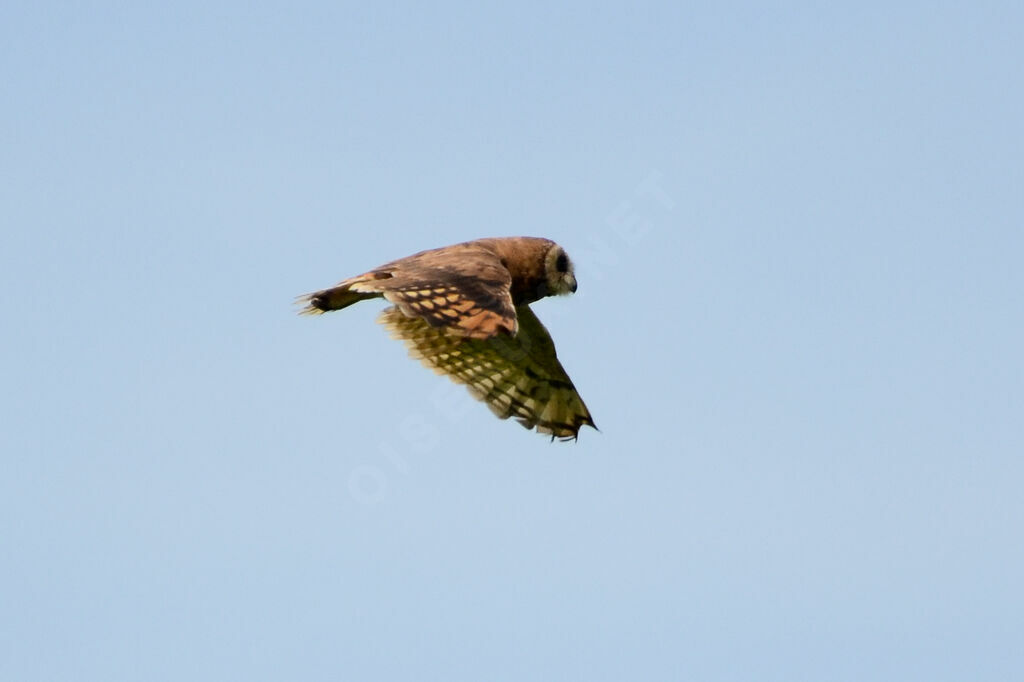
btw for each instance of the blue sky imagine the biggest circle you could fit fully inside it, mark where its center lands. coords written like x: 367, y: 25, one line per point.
x: 798, y: 235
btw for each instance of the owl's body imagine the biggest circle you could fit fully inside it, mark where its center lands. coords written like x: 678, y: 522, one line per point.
x: 464, y: 311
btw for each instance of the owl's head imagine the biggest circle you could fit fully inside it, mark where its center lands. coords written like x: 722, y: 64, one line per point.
x: 558, y: 272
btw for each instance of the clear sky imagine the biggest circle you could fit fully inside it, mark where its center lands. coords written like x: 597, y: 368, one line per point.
x: 798, y: 232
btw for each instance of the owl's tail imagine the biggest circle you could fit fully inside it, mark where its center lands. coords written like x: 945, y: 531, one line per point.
x: 335, y: 298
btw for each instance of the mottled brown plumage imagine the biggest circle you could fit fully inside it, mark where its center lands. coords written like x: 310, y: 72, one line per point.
x: 463, y: 311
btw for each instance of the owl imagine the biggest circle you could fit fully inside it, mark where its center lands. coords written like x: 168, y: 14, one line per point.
x: 464, y: 311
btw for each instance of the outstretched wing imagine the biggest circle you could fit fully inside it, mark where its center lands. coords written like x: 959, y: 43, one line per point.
x: 517, y: 376
x: 461, y: 289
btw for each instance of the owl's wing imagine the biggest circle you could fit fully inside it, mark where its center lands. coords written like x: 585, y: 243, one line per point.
x: 517, y: 376
x: 462, y: 289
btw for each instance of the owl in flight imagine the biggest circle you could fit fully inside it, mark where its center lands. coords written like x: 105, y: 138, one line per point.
x: 463, y: 310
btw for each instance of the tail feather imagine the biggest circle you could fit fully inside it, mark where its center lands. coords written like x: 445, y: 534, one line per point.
x: 335, y: 298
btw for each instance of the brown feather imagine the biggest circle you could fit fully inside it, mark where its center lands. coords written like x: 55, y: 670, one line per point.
x: 517, y: 376
x: 462, y: 310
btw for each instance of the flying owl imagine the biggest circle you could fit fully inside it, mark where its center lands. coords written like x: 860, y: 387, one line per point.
x: 463, y: 310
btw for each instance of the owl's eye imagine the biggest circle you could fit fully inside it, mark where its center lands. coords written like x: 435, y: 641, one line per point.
x: 562, y: 263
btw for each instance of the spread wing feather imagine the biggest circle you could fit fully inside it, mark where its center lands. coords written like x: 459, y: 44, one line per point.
x: 516, y: 375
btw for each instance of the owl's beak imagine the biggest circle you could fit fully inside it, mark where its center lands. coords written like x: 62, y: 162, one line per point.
x: 572, y: 284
